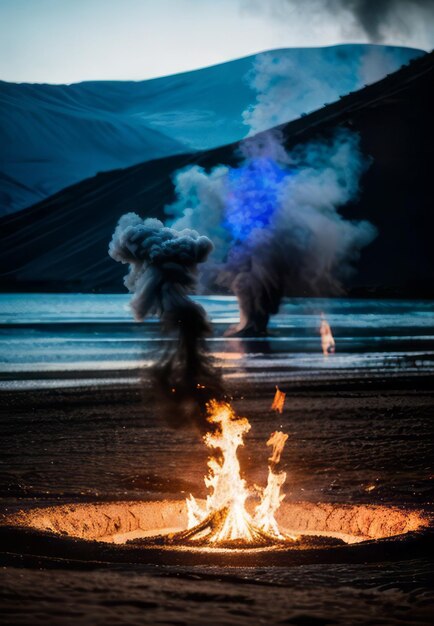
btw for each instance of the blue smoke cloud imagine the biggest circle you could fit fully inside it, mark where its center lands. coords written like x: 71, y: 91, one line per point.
x: 275, y: 220
x: 252, y: 196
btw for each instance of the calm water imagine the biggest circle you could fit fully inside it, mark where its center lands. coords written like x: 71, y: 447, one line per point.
x: 69, y: 339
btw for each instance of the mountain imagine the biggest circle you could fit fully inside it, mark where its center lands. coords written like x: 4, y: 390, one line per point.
x: 61, y: 243
x: 52, y: 136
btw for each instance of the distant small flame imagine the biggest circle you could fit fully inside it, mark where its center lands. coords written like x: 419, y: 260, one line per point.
x: 327, y: 339
x: 279, y: 401
x: 225, y: 518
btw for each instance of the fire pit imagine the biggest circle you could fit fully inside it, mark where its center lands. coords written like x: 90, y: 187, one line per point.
x: 141, y: 532
x: 235, y: 525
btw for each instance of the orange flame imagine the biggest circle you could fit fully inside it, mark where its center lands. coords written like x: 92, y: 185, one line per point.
x: 327, y: 339
x: 279, y: 401
x: 271, y: 497
x: 277, y: 440
x: 224, y: 517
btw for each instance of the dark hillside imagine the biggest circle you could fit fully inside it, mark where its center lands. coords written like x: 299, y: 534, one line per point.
x: 61, y: 243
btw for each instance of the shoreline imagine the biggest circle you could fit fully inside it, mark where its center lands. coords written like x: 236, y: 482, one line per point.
x: 135, y: 378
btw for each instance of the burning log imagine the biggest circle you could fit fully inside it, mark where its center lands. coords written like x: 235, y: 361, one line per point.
x: 215, y: 529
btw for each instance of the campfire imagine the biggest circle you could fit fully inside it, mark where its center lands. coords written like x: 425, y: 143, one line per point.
x: 226, y: 528
x: 224, y: 520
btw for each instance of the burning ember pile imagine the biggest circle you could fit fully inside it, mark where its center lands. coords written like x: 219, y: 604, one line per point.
x: 224, y: 520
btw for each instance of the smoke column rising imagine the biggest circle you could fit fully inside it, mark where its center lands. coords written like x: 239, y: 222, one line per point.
x: 162, y: 275
x: 401, y: 22
x: 279, y: 230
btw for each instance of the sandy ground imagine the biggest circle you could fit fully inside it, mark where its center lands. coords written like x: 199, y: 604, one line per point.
x: 356, y: 441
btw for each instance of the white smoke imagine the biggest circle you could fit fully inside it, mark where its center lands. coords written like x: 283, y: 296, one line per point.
x: 377, y: 62
x: 286, y: 87
x: 200, y: 204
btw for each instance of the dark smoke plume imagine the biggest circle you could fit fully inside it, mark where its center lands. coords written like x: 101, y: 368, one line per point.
x: 162, y: 276
x: 399, y: 22
x: 374, y: 15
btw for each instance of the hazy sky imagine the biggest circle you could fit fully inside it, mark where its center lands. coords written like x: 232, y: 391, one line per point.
x: 64, y: 41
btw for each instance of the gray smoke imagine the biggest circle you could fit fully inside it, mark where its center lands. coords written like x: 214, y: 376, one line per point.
x: 301, y: 244
x: 375, y: 17
x: 162, y: 275
x: 398, y: 22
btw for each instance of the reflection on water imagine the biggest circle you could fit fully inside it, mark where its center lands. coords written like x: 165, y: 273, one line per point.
x: 41, y: 335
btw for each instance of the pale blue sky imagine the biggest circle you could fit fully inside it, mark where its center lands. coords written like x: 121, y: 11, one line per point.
x: 64, y: 41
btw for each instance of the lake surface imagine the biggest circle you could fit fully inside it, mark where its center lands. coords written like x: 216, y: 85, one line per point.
x: 61, y: 340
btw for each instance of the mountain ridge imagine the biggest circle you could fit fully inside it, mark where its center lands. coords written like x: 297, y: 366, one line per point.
x: 56, y: 135
x: 52, y: 246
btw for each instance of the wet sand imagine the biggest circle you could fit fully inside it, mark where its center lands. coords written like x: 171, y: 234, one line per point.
x: 355, y: 441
